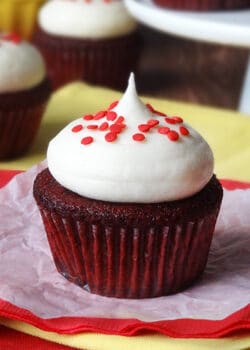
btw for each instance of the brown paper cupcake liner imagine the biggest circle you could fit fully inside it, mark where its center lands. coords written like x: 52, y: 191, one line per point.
x: 204, y: 5
x: 105, y: 62
x: 20, y: 118
x: 129, y: 262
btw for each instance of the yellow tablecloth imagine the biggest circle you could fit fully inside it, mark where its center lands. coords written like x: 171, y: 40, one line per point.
x: 227, y: 132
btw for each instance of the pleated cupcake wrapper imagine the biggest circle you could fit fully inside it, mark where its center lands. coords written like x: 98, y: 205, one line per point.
x: 204, y: 4
x: 105, y: 62
x: 18, y: 129
x: 20, y: 118
x: 129, y: 262
x: 19, y: 16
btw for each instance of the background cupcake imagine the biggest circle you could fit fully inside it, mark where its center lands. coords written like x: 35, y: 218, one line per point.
x: 134, y: 214
x: 24, y: 92
x: 204, y: 5
x: 92, y: 40
x: 19, y: 16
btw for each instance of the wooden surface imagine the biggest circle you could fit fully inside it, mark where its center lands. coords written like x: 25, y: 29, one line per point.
x: 186, y: 70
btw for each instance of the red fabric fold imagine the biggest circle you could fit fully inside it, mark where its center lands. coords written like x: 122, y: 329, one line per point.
x: 234, y: 184
x: 183, y: 328
x: 6, y: 176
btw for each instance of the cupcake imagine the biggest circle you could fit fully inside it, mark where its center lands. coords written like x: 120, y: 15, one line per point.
x: 204, y: 5
x: 19, y: 16
x: 129, y: 201
x: 94, y: 40
x: 24, y: 92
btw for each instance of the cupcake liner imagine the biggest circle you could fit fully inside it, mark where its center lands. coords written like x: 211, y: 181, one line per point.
x: 204, y: 5
x: 128, y: 250
x: 104, y: 62
x: 129, y: 262
x: 19, y: 16
x: 68, y: 262
x: 20, y: 117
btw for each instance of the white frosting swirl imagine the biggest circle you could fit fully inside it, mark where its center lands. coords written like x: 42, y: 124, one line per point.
x: 154, y: 170
x: 86, y: 19
x: 21, y: 66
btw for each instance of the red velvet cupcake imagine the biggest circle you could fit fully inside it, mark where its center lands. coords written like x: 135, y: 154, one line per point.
x: 95, y: 41
x: 129, y: 201
x: 24, y: 92
x: 204, y: 5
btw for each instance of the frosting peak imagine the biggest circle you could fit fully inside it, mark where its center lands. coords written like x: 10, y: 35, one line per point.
x: 130, y: 153
x: 131, y: 105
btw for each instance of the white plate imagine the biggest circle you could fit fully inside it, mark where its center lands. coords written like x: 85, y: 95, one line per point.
x: 223, y: 27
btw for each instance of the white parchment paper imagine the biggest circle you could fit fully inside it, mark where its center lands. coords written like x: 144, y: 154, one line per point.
x: 29, y: 279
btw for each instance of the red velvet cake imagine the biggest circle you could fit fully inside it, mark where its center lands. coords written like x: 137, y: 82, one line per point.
x: 94, y: 40
x: 129, y: 201
x: 204, y: 5
x: 128, y: 250
x: 24, y: 92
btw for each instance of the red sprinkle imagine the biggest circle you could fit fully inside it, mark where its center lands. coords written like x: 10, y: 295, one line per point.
x: 100, y: 115
x: 138, y: 137
x: 14, y: 37
x: 160, y: 113
x: 144, y: 127
x: 173, y: 135
x: 153, y: 122
x: 170, y: 120
x: 111, y: 115
x: 116, y: 128
x: 111, y: 136
x: 87, y: 140
x: 122, y: 125
x: 92, y: 126
x: 178, y: 119
x: 120, y: 120
x: 163, y: 130
x: 104, y: 126
x: 77, y: 128
x: 88, y: 117
x: 113, y: 104
x: 150, y: 107
x: 184, y: 131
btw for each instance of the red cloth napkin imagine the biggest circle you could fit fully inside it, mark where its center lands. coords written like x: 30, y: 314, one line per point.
x: 6, y: 176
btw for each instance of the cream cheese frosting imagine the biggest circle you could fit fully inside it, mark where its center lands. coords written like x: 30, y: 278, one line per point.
x: 21, y: 65
x: 149, y: 158
x: 86, y: 19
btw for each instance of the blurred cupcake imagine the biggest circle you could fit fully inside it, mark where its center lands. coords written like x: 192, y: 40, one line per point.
x: 19, y: 16
x: 204, y: 5
x: 24, y: 92
x: 129, y: 201
x: 94, y: 40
